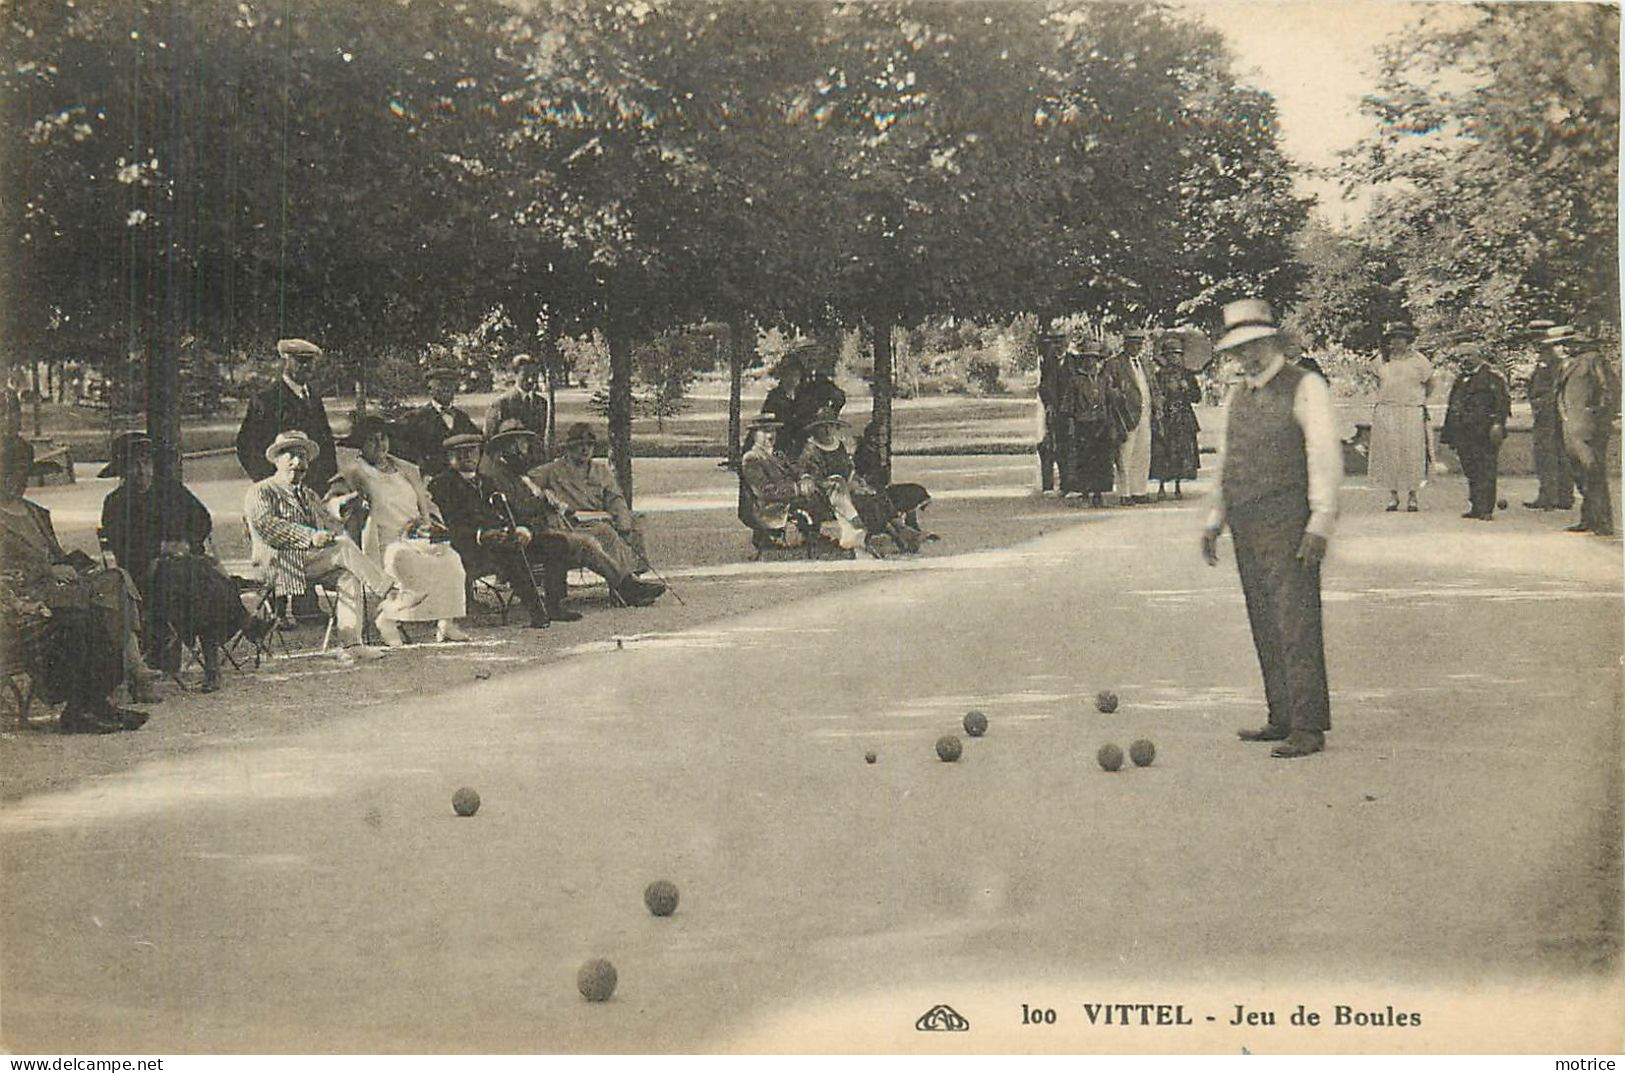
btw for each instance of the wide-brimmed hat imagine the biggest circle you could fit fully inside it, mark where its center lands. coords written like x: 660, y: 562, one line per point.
x: 291, y: 440
x: 126, y: 447
x: 826, y: 416
x: 462, y: 439
x: 1399, y: 329
x: 511, y: 429
x: 1246, y: 320
x: 580, y: 432
x: 302, y: 348
x: 370, y: 425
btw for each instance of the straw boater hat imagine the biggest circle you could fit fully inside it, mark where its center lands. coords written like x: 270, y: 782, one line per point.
x: 462, y: 439
x: 126, y: 448
x: 1560, y: 333
x: 1399, y: 329
x: 580, y: 432
x: 510, y: 429
x: 1246, y: 320
x: 1537, y: 329
x: 292, y: 440
x: 298, y: 347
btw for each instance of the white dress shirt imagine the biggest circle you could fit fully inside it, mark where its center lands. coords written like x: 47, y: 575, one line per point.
x: 1312, y: 409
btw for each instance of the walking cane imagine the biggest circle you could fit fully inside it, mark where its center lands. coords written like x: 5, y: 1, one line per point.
x: 497, y: 498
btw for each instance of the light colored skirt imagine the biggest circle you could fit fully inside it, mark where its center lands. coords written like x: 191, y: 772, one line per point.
x: 1398, y: 448
x: 434, y: 569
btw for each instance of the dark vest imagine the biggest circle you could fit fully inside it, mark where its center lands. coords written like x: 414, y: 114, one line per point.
x: 1264, y: 454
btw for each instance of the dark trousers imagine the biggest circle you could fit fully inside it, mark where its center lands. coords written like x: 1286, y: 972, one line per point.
x: 1480, y: 462
x: 515, y: 569
x: 1552, y: 463
x: 1283, y: 606
x: 1046, y: 466
x: 1596, y: 502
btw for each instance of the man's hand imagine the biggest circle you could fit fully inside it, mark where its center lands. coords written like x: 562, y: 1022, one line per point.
x: 1312, y: 549
x: 1581, y: 453
x: 522, y: 534
x: 1498, y: 433
x: 1210, y: 546
x: 322, y: 538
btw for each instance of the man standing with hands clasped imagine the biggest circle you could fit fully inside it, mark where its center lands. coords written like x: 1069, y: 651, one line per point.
x: 1278, y: 494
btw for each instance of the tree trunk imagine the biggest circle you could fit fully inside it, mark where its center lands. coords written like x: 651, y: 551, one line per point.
x: 620, y: 406
x: 741, y: 341
x: 554, y: 366
x: 163, y: 408
x: 880, y: 338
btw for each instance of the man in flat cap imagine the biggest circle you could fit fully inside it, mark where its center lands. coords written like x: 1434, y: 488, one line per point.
x: 1279, y: 473
x: 291, y: 402
x: 588, y: 488
x: 1551, y: 459
x: 525, y: 403
x: 425, y: 428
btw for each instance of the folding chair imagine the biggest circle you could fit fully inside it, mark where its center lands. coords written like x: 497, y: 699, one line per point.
x: 493, y: 586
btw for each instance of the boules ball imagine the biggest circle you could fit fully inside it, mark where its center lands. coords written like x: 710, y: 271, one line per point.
x: 949, y: 748
x: 1500, y: 504
x: 465, y: 802
x: 975, y: 724
x: 661, y: 897
x: 596, y: 980
x: 1142, y: 753
x: 1110, y: 757
x: 869, y: 758
x: 1106, y: 701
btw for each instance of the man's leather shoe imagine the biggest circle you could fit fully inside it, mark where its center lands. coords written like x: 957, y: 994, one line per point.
x: 1604, y: 532
x: 127, y: 718
x: 83, y: 722
x: 1300, y: 743
x: 1269, y: 732
x: 563, y: 614
x: 639, y: 593
x: 1578, y: 527
x: 1535, y: 504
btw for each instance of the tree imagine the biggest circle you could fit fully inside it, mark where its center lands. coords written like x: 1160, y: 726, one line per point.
x: 1497, y: 166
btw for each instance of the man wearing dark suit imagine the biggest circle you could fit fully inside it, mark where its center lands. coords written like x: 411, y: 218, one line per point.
x: 525, y: 403
x: 426, y: 428
x: 1475, y: 424
x: 480, y: 533
x: 292, y: 404
x: 1052, y: 388
x: 1278, y: 495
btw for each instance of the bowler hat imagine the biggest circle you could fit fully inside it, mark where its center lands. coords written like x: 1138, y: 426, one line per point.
x: 292, y: 440
x: 126, y: 447
x: 1246, y: 320
x: 302, y: 348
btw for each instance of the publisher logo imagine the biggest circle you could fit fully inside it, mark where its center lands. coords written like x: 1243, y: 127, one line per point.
x: 941, y: 1018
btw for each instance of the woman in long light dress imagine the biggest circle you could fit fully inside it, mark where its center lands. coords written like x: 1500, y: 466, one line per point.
x: 401, y: 517
x: 1398, y: 427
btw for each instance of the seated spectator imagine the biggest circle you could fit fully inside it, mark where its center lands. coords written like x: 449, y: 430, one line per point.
x: 507, y: 464
x: 404, y: 533
x: 586, y: 485
x: 774, y: 495
x: 296, y: 541
x: 157, y: 531
x: 68, y: 624
x: 905, y: 499
x: 485, y: 541
x: 828, y: 457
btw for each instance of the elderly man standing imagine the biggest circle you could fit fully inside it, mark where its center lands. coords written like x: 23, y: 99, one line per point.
x: 1475, y: 425
x: 588, y: 486
x: 296, y: 541
x: 524, y: 403
x: 1587, y: 403
x: 1278, y: 494
x: 1551, y: 459
x: 291, y: 402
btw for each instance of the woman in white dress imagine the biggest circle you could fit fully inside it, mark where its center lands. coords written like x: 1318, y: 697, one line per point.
x: 1398, y: 426
x: 404, y: 533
